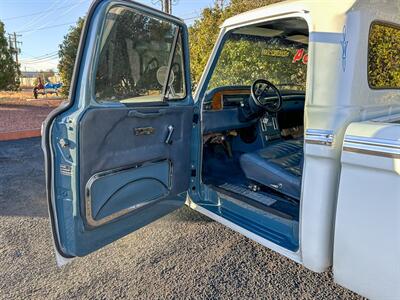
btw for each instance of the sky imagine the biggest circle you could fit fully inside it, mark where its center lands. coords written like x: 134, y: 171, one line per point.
x: 42, y: 24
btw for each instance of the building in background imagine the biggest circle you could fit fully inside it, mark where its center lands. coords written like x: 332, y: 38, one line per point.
x: 30, y: 78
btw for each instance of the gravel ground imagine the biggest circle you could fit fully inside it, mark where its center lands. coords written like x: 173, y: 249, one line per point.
x: 183, y: 255
x: 19, y: 112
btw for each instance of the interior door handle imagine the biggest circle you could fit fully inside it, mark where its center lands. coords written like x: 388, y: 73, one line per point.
x: 168, y: 139
x: 138, y: 114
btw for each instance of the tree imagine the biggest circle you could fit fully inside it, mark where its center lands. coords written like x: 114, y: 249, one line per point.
x: 203, y: 35
x: 383, y: 56
x: 9, y: 69
x: 67, y: 53
x: 204, y: 32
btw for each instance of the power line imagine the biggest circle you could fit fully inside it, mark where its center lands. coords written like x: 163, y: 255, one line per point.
x: 191, y: 18
x: 37, y: 13
x: 72, y: 23
x: 32, y: 57
x: 40, y: 60
x: 47, y: 27
x: 34, y: 21
x: 47, y: 22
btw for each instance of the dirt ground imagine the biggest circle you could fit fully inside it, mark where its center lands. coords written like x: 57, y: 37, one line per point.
x: 20, y: 111
x: 183, y: 255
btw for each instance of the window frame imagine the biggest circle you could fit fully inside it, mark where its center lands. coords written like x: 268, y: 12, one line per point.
x: 161, y: 101
x: 382, y: 23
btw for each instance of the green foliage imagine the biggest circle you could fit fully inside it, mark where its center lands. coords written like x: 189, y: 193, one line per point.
x: 9, y: 69
x: 243, y: 60
x: 67, y: 53
x: 204, y: 32
x: 203, y: 35
x: 384, y: 56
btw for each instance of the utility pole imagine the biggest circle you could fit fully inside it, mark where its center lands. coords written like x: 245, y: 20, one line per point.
x: 10, y: 43
x: 166, y: 6
x: 17, y: 49
x: 14, y: 44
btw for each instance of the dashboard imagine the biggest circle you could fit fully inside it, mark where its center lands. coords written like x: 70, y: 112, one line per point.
x: 221, y: 109
x: 219, y: 98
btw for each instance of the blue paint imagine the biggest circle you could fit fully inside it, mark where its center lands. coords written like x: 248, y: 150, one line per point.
x: 344, y: 42
x: 75, y: 237
x: 325, y: 37
x: 123, y: 189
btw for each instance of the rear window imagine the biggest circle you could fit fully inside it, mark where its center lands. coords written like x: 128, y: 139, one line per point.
x: 384, y: 56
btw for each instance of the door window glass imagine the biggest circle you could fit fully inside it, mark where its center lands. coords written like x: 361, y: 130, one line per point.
x: 136, y: 52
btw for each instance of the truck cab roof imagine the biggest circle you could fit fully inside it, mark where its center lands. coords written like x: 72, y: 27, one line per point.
x: 322, y: 16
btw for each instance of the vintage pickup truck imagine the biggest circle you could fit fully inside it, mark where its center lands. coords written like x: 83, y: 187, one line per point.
x: 292, y: 137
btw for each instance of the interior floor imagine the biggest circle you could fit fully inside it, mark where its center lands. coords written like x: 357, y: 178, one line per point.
x: 222, y: 170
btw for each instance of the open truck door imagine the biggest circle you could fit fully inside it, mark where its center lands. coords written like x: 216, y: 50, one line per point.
x: 117, y: 155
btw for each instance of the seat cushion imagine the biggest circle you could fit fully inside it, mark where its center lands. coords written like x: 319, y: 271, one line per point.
x: 279, y: 166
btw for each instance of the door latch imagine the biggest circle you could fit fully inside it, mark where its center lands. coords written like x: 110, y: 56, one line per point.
x: 168, y: 139
x: 64, y: 143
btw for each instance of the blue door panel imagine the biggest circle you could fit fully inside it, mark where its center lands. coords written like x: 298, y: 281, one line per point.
x: 143, y: 179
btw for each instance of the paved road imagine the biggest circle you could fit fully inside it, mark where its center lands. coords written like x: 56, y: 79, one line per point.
x: 183, y: 255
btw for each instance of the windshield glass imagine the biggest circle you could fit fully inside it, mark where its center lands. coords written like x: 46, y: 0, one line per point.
x: 277, y: 53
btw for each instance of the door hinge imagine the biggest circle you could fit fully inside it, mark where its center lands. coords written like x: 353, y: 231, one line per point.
x: 65, y: 170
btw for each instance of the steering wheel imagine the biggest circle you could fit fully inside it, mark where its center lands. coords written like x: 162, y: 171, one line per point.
x: 262, y: 97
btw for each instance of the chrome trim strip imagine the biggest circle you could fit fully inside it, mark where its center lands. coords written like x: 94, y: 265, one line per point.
x: 372, y: 146
x: 320, y: 137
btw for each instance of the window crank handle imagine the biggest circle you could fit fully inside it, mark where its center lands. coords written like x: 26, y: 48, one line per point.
x: 168, y: 140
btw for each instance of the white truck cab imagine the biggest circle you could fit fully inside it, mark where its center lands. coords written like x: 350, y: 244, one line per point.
x: 292, y: 137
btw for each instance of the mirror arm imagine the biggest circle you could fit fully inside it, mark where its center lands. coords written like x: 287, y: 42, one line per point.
x: 170, y: 61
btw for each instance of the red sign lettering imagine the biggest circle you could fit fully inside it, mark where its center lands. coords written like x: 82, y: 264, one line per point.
x: 305, y: 59
x: 298, y: 55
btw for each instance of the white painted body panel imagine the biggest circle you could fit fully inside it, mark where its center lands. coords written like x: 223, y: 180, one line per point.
x: 367, y: 232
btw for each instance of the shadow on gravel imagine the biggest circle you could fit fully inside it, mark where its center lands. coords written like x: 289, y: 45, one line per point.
x: 22, y: 185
